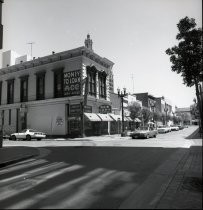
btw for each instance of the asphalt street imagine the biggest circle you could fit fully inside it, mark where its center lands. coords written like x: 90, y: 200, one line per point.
x: 97, y: 173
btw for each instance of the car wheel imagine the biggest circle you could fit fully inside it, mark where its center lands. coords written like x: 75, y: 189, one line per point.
x: 13, y: 138
x: 155, y: 136
x: 28, y: 138
x: 147, y: 136
x: 38, y: 139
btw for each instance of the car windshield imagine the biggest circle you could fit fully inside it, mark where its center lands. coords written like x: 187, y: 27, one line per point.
x: 143, y: 128
x: 31, y: 130
x: 24, y: 131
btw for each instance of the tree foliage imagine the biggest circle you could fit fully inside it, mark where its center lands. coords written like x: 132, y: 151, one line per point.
x: 135, y: 110
x: 187, y: 56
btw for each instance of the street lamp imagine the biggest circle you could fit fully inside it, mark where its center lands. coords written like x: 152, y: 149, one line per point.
x: 122, y: 94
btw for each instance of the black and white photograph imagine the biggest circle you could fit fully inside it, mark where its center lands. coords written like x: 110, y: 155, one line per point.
x: 101, y: 104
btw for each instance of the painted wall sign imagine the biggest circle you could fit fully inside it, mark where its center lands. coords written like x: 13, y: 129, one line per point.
x: 104, y: 109
x: 59, y: 121
x: 72, y: 83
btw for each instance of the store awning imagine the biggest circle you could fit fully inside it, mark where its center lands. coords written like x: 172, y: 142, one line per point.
x: 137, y: 120
x: 115, y: 117
x: 129, y: 119
x: 92, y: 117
x: 105, y: 117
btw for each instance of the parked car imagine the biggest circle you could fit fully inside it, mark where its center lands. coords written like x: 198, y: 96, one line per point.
x: 180, y: 127
x: 163, y: 129
x: 28, y: 134
x: 174, y: 128
x: 144, y: 132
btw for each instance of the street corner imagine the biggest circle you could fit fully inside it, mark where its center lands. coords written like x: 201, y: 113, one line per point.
x: 12, y: 155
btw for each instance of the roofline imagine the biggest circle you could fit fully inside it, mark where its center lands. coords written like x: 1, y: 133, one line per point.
x: 80, y: 51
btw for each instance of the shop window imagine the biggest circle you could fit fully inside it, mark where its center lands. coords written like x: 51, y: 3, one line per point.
x: 24, y: 89
x: 40, y: 86
x: 58, y: 84
x: 92, y: 82
x: 102, y: 86
x: 10, y: 91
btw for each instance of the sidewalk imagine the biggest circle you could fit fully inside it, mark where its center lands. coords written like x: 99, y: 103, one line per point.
x: 185, y: 188
x: 11, y: 155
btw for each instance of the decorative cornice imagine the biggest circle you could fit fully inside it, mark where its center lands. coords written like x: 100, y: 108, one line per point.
x: 81, y: 51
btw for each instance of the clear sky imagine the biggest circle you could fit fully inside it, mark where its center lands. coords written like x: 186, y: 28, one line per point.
x: 134, y: 34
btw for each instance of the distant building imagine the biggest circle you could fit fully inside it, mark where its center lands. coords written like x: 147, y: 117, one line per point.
x: 147, y: 99
x: 185, y: 114
x: 1, y: 26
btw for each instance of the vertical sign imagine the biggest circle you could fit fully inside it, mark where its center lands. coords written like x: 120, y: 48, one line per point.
x: 72, y: 83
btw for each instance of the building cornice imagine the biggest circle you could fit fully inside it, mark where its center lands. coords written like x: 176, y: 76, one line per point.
x: 81, y: 51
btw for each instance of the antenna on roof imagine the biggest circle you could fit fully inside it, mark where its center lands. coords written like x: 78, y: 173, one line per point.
x: 31, y: 43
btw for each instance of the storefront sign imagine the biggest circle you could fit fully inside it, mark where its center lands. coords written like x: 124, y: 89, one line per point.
x: 72, y: 83
x: 104, y: 109
x: 88, y: 109
x: 75, y: 110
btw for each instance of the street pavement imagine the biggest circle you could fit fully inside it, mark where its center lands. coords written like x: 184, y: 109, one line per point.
x: 106, y: 172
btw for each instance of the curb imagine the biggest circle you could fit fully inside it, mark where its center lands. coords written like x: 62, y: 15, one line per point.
x: 10, y: 162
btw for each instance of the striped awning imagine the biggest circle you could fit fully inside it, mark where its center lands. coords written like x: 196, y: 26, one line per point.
x: 92, y: 117
x: 105, y: 117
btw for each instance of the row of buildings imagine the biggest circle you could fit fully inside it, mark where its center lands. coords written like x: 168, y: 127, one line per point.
x: 65, y: 94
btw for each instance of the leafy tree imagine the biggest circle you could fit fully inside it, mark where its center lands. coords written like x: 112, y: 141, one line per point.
x: 186, y: 58
x: 135, y: 110
x: 146, y: 115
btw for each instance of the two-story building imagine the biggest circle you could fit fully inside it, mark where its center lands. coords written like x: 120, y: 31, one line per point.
x: 62, y: 94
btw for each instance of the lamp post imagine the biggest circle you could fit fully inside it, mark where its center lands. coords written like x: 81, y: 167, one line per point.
x: 122, y: 94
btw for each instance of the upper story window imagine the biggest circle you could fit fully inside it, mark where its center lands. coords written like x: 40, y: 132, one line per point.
x: 0, y: 91
x: 102, y: 85
x: 10, y: 91
x: 40, y: 85
x: 92, y: 82
x: 24, y: 89
x: 58, y: 83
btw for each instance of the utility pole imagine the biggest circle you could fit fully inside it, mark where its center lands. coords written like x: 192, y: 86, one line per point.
x: 31, y: 43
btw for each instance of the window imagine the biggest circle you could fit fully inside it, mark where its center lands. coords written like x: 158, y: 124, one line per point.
x: 0, y: 91
x: 40, y: 86
x: 9, y: 117
x: 92, y: 82
x: 24, y: 89
x: 10, y: 91
x: 102, y: 85
x: 58, y: 84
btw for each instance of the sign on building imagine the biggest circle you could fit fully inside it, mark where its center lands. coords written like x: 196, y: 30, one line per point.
x: 75, y: 110
x: 72, y: 83
x: 104, y: 109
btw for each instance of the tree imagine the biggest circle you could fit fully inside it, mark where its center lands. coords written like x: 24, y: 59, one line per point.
x: 146, y: 115
x: 186, y: 58
x: 135, y: 110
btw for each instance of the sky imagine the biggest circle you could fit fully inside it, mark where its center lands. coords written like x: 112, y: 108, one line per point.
x: 134, y: 34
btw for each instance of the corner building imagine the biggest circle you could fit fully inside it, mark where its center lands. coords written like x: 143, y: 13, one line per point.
x: 47, y: 94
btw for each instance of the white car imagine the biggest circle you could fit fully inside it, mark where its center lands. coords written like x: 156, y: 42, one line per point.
x: 163, y: 129
x: 174, y: 128
x: 28, y: 134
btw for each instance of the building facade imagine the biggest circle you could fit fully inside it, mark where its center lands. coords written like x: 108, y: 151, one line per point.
x: 61, y: 94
